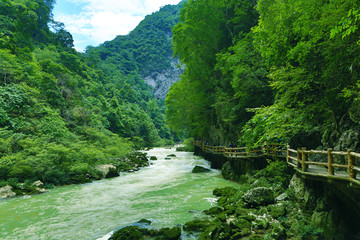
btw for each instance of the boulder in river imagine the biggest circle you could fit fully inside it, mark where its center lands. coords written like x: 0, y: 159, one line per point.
x: 259, y: 197
x: 200, y: 169
x: 197, y: 225
x: 171, y: 155
x: 144, y: 222
x: 181, y: 149
x: 107, y: 171
x: 153, y: 158
x: 224, y: 192
x: 6, y: 192
x: 128, y: 233
x: 170, y: 233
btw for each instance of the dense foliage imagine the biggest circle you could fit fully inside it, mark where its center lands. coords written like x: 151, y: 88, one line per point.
x: 267, y: 70
x: 63, y: 112
x: 147, y: 49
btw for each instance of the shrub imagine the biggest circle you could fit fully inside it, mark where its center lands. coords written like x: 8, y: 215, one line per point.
x: 188, y: 144
x: 55, y: 177
x: 277, y: 172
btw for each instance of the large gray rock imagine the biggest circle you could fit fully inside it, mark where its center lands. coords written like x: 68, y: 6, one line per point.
x: 6, y: 192
x: 259, y: 197
x: 162, y: 81
x: 107, y: 170
x: 298, y: 186
x: 39, y: 186
x: 349, y: 139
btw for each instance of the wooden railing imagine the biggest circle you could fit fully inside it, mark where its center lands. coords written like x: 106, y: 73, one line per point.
x: 326, y: 166
x: 345, y: 168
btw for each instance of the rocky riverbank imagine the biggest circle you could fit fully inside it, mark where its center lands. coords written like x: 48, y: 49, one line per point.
x: 273, y: 204
x: 325, y: 210
x: 18, y: 189
x: 260, y: 208
x: 131, y: 163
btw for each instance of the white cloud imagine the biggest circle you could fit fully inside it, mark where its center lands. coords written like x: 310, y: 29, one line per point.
x: 103, y: 20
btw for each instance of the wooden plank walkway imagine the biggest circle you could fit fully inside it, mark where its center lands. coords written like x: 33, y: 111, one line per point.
x: 334, y: 169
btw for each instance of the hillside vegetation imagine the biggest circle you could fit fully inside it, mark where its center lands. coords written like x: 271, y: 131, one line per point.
x: 63, y: 112
x: 270, y: 71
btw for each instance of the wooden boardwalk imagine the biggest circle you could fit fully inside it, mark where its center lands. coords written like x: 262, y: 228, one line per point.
x: 319, y: 165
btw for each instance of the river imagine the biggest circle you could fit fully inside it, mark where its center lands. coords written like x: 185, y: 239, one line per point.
x: 166, y: 192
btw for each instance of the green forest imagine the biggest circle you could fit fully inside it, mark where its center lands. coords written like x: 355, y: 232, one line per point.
x: 255, y: 71
x: 268, y: 71
x: 63, y: 112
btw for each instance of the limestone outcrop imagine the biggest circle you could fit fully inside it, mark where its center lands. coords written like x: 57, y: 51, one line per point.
x: 6, y: 192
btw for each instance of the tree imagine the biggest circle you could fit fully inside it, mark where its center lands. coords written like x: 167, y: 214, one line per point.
x: 203, y: 40
x: 309, y: 71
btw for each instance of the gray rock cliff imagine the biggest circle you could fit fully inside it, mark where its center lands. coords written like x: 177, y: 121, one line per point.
x: 162, y: 81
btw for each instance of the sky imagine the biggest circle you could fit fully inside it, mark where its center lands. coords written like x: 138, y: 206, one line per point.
x: 92, y: 22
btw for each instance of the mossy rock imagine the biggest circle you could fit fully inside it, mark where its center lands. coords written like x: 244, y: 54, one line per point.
x: 144, y: 221
x: 277, y: 210
x: 208, y: 232
x: 217, y: 231
x: 153, y: 158
x: 112, y: 173
x: 181, y: 149
x: 230, y: 207
x: 240, y: 211
x: 240, y: 224
x: 200, y: 169
x: 226, y: 191
x: 238, y: 235
x: 171, y: 233
x: 213, y: 211
x: 278, y: 231
x: 222, y: 201
x: 249, y: 217
x: 259, y: 197
x: 256, y: 237
x: 197, y: 225
x: 171, y: 155
x: 261, y: 182
x: 128, y: 233
x: 261, y: 223
x: 221, y: 217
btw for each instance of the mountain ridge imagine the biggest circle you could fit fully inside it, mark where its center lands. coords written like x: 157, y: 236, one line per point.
x: 147, y: 50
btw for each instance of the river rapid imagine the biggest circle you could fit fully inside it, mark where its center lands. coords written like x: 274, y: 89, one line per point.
x: 166, y: 192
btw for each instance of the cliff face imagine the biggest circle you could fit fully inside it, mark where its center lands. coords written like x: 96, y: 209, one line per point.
x: 161, y: 81
x: 333, y: 207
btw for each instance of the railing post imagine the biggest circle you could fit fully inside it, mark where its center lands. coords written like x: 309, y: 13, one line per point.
x: 274, y: 149
x: 298, y: 163
x: 330, y: 161
x: 304, y: 160
x: 351, y: 163
x: 287, y: 153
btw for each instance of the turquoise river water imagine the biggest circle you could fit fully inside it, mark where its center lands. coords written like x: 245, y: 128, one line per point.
x: 166, y: 192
